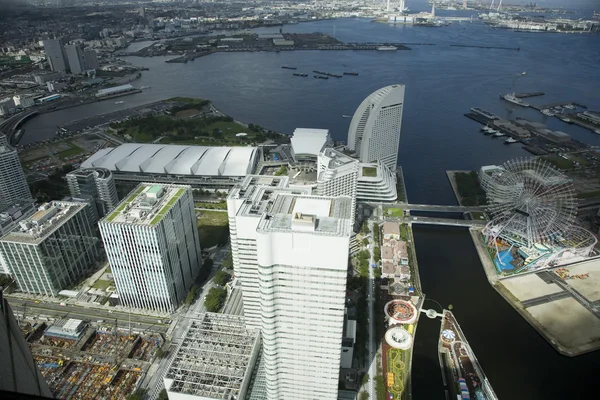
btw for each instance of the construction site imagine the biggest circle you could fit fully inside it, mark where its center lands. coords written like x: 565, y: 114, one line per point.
x: 89, y: 361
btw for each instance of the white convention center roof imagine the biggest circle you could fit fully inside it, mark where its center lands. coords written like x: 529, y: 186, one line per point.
x: 309, y: 141
x: 175, y: 159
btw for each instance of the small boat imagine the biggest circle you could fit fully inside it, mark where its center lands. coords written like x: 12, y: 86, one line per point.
x: 119, y: 102
x: 510, y: 141
x: 387, y: 48
x: 547, y: 112
x: 346, y: 116
x: 320, y: 77
x: 144, y: 87
x: 498, y: 134
x: 288, y: 67
x: 351, y: 73
x: 299, y: 74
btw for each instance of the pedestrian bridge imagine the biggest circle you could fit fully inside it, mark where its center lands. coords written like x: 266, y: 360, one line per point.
x: 432, y: 207
x: 445, y: 221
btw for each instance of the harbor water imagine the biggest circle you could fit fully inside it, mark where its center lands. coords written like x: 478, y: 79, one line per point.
x: 442, y: 83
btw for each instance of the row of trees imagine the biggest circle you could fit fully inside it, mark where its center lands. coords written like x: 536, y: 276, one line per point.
x: 215, y: 299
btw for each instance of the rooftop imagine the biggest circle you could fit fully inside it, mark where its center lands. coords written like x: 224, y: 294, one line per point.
x: 147, y: 204
x: 214, y: 359
x: 171, y: 159
x: 302, y: 213
x: 48, y: 218
x: 309, y: 141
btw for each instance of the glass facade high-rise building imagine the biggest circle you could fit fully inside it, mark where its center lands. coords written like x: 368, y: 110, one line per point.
x: 75, y: 58
x: 290, y: 254
x: 97, y: 184
x: 18, y: 368
x: 13, y: 184
x: 151, y: 241
x: 52, y: 249
x: 55, y: 54
x: 374, y: 132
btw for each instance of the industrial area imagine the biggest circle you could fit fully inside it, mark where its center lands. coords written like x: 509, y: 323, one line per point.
x: 85, y: 359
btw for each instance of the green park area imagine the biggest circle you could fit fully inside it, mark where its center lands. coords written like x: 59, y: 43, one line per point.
x: 589, y: 195
x: 396, y: 372
x: 469, y: 189
x: 73, y: 150
x: 180, y: 128
x: 369, y: 171
x: 393, y: 212
x: 559, y: 162
x: 213, y: 228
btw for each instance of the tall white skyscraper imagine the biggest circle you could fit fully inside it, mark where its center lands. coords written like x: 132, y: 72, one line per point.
x: 13, y: 184
x: 151, y: 241
x: 52, y: 249
x: 290, y: 252
x: 374, y: 132
x: 98, y: 184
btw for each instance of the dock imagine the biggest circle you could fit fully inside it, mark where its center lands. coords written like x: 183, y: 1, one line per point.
x: 461, y: 371
x: 526, y: 95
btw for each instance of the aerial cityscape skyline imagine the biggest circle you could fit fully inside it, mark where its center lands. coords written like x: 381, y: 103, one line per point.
x: 282, y: 199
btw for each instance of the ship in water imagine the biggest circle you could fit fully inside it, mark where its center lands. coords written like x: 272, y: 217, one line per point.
x: 144, y: 87
x: 299, y: 74
x: 288, y: 67
x: 119, y: 102
x: 547, y: 112
x: 346, y: 116
x: 387, y: 48
x: 320, y: 77
x: 510, y: 141
x: 351, y: 73
x: 498, y: 134
x: 510, y: 97
x: 327, y: 74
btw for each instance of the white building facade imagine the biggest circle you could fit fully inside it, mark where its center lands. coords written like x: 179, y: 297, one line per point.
x: 337, y: 175
x: 151, y: 241
x: 290, y: 251
x: 374, y: 132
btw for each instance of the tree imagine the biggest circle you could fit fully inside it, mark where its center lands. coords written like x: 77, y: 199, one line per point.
x: 365, y: 379
x: 377, y: 272
x: 214, y: 299
x: 191, y: 296
x: 282, y: 171
x: 365, y: 242
x: 364, y: 396
x: 221, y: 277
x: 163, y: 395
x: 364, y: 228
x: 160, y: 353
x: 377, y: 254
x: 228, y: 261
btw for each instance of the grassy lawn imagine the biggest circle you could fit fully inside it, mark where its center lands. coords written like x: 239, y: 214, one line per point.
x: 369, y: 171
x: 102, y: 285
x: 469, y: 189
x: 187, y: 113
x: 215, y: 206
x: 72, y: 151
x: 578, y: 159
x: 213, y: 228
x: 394, y: 212
x: 559, y: 162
